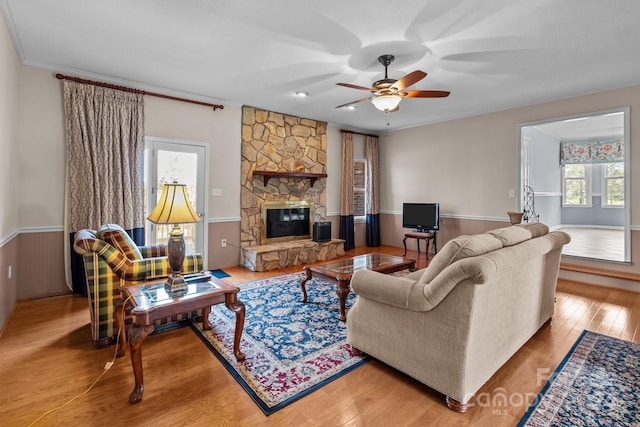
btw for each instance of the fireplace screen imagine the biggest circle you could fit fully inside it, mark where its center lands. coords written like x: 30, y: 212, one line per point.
x: 284, y: 221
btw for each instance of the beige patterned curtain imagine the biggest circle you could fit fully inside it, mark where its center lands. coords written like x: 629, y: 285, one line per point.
x: 346, y: 193
x: 105, y: 148
x: 372, y: 197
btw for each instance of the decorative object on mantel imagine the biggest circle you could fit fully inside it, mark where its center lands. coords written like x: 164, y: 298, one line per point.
x: 515, y: 217
x: 530, y: 214
x: 174, y: 208
x: 266, y: 175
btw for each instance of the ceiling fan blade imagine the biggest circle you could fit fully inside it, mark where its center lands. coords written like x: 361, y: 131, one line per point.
x: 409, y: 79
x: 426, y: 94
x: 368, y: 89
x: 353, y: 102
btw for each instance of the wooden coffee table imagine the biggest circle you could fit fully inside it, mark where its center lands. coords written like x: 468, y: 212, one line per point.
x: 340, y: 272
x: 149, y: 302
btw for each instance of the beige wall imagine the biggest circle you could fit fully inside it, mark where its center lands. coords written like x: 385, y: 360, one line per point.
x: 334, y: 171
x: 469, y: 165
x: 9, y: 85
x: 42, y: 149
x: 9, y: 185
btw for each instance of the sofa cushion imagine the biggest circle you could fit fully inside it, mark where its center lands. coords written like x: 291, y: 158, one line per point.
x: 118, y: 238
x: 510, y: 236
x: 459, y: 248
x: 536, y: 229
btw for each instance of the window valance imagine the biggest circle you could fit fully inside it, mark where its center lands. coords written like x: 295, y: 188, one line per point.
x: 605, y: 151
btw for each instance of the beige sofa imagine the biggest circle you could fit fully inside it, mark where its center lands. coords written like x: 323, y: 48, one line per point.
x: 453, y: 324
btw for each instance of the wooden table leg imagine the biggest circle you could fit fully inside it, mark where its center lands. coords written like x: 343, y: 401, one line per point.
x: 137, y: 334
x: 206, y: 326
x: 122, y: 336
x: 342, y: 292
x: 307, y: 271
x: 237, y: 306
x: 404, y: 242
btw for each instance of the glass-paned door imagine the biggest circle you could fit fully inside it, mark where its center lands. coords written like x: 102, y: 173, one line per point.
x: 175, y: 161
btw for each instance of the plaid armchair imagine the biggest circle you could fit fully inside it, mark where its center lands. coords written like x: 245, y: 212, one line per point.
x: 112, y: 260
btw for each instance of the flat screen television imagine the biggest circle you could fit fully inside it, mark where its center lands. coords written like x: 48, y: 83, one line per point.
x: 421, y: 216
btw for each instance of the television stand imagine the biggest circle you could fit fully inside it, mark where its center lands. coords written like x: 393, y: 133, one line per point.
x: 425, y: 235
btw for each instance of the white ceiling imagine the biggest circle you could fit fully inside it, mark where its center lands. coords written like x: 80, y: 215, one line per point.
x: 491, y: 54
x: 586, y: 127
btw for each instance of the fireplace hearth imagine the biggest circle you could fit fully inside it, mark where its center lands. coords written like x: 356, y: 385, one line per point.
x: 283, y: 221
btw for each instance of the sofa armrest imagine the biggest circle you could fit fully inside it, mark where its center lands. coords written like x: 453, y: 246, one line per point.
x: 413, y: 295
x: 477, y: 270
x: 415, y: 275
x: 159, y: 267
x: 153, y: 251
x: 382, y: 288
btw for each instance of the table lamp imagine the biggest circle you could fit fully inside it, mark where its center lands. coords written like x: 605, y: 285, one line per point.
x: 174, y: 208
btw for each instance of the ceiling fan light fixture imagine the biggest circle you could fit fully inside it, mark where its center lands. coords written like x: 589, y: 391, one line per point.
x: 386, y: 102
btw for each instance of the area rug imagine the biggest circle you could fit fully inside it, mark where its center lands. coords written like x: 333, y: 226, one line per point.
x: 292, y: 348
x: 597, y: 384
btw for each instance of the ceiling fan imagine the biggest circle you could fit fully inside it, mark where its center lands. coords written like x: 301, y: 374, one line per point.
x: 389, y: 92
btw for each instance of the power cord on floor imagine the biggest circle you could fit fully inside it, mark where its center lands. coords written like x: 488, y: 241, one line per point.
x: 107, y: 366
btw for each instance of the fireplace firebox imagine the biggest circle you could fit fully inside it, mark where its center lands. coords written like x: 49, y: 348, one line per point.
x: 283, y: 221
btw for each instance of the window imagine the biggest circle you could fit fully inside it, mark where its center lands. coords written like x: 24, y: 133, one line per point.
x: 576, y: 189
x: 525, y: 162
x: 613, y: 185
x: 359, y: 187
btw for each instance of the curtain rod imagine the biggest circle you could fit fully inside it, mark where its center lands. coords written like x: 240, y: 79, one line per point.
x: 143, y: 92
x: 358, y: 133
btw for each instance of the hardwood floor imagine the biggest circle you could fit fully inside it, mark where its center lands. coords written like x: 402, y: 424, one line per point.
x: 47, y: 358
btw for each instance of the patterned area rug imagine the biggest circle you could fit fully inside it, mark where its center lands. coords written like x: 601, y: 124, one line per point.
x: 597, y: 384
x: 292, y: 348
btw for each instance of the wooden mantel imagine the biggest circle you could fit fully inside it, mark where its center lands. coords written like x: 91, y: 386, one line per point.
x: 266, y: 175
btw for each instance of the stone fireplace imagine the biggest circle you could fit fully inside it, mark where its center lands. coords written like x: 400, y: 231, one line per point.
x: 279, y: 143
x: 293, y: 151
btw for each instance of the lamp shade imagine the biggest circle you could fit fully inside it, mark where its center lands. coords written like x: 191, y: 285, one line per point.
x: 174, y: 206
x: 386, y: 102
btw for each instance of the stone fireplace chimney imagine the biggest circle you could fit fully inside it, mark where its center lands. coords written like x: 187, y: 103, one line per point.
x: 280, y: 143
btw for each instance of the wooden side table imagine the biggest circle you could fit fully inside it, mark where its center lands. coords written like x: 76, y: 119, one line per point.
x: 149, y: 302
x: 420, y: 236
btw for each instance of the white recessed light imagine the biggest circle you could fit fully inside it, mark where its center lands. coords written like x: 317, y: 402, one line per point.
x: 302, y: 94
x: 351, y: 107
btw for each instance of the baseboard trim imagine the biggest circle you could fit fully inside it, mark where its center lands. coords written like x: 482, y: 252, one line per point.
x: 601, y: 271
